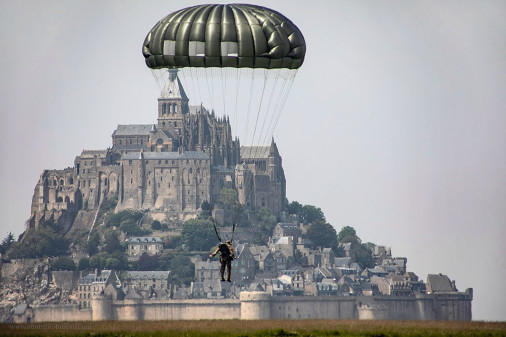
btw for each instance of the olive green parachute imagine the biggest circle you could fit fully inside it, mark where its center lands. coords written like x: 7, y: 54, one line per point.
x: 235, y: 35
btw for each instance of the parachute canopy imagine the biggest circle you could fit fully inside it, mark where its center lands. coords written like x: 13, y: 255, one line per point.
x: 235, y: 35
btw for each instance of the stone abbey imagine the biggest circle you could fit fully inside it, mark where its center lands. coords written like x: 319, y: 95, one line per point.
x: 169, y: 168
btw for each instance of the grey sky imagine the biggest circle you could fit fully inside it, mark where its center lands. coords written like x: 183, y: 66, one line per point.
x: 395, y: 124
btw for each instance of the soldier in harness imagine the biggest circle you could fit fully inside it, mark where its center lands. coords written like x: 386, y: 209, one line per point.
x: 226, y: 256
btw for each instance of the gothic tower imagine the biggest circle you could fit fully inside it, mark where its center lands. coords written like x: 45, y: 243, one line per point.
x: 173, y: 103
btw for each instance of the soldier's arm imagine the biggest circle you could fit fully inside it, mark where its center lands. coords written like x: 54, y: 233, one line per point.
x: 215, y: 252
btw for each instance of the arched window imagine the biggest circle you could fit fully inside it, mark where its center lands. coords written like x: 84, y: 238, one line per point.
x: 175, y: 108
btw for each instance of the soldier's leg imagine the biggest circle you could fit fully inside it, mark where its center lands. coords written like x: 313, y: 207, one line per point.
x: 229, y: 270
x: 222, y: 269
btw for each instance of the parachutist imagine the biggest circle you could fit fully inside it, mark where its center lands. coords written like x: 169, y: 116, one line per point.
x: 226, y: 256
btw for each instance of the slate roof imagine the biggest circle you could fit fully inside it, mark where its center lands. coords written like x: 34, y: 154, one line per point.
x: 145, y: 239
x: 250, y: 152
x: 132, y: 130
x: 342, y: 261
x: 132, y: 294
x: 92, y: 278
x: 132, y: 147
x: 93, y: 153
x: 152, y: 274
x: 173, y: 89
x: 165, y: 155
x: 439, y: 283
x: 88, y: 279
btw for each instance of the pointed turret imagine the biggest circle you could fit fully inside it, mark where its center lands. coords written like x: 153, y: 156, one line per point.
x: 173, y: 102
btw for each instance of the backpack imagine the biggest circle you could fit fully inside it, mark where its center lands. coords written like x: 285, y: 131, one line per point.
x: 224, y: 251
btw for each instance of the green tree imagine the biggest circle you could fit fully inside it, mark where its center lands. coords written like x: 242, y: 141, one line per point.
x: 92, y: 244
x: 322, y: 235
x: 7, y: 243
x: 183, y: 270
x: 112, y: 263
x: 121, y: 217
x: 147, y: 262
x: 130, y: 227
x: 96, y: 262
x: 156, y: 225
x: 363, y: 256
x: 294, y: 208
x: 83, y: 264
x: 312, y: 214
x: 112, y: 242
x: 198, y: 234
x: 63, y: 263
x: 266, y: 219
x: 346, y: 233
x: 40, y: 242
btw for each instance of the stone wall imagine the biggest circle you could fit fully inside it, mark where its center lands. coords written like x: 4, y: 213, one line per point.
x: 58, y: 313
x: 65, y: 280
x: 261, y: 305
x: 16, y: 264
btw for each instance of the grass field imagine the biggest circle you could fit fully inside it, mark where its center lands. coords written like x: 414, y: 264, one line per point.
x: 238, y: 328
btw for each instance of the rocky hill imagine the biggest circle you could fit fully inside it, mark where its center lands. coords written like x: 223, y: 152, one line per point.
x: 28, y: 282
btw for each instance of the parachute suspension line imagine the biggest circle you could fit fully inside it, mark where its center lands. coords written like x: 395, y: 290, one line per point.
x: 216, y: 229
x: 186, y: 83
x: 259, y: 108
x: 261, y: 140
x: 270, y: 129
x: 281, y: 95
x: 223, y: 91
x: 159, y: 78
x: 292, y: 79
x: 249, y: 108
x: 210, y: 89
x: 236, y: 101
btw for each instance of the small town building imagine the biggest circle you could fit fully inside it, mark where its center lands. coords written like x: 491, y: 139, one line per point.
x: 93, y: 285
x: 151, y: 245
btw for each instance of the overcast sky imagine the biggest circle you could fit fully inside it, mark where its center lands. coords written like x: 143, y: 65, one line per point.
x: 395, y: 124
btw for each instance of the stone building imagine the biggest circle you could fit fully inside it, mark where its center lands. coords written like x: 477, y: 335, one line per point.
x: 149, y: 284
x: 93, y: 285
x: 151, y: 245
x: 169, y: 168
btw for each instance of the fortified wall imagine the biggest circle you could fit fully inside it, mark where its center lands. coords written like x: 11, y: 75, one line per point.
x: 261, y: 305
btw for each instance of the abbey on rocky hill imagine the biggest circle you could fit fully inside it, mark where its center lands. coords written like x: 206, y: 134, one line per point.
x: 170, y: 168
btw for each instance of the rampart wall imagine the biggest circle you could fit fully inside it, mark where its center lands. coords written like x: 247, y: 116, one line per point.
x: 259, y: 305
x: 59, y: 313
